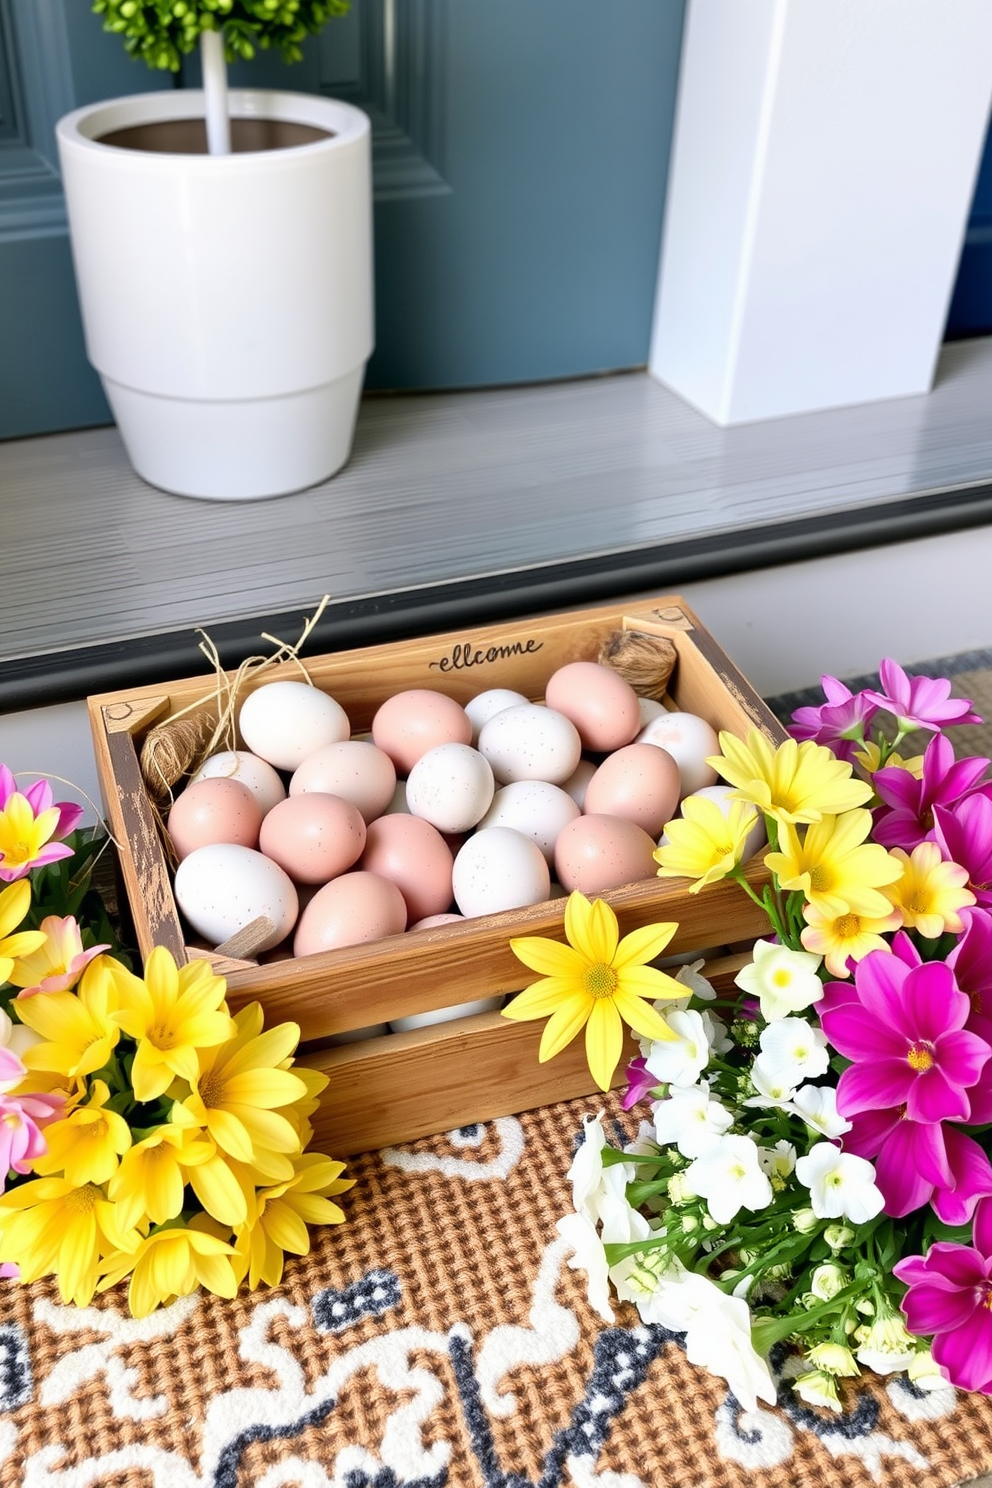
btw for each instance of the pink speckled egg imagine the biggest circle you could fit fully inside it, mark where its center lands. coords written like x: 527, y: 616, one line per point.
x: 349, y: 910
x: 601, y: 704
x: 409, y: 723
x: 313, y: 837
x: 639, y: 782
x: 355, y: 770
x: 413, y: 855
x: 214, y: 810
x: 595, y: 853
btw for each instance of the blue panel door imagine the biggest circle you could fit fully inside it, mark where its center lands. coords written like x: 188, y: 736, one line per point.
x: 520, y: 156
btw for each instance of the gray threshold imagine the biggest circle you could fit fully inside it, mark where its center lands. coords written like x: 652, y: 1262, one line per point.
x: 463, y: 506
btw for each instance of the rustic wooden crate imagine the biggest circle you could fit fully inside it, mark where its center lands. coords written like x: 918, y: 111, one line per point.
x: 407, y: 1085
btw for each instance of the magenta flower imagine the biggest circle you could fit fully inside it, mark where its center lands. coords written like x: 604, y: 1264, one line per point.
x: 640, y: 1081
x: 39, y: 798
x: 919, y: 702
x: 964, y: 835
x: 909, y: 819
x: 950, y: 1297
x: 906, y: 1037
x: 918, y: 1162
x: 31, y: 824
x: 839, y: 723
x: 21, y: 1140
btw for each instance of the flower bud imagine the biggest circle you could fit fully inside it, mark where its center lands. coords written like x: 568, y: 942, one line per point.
x: 818, y: 1388
x: 924, y: 1371
x: 827, y: 1281
x: 838, y: 1236
x: 804, y: 1221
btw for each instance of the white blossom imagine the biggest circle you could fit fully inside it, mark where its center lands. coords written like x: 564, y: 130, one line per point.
x: 778, y: 1161
x: 770, y: 1088
x: 729, y: 1178
x: 681, y: 1060
x: 818, y: 1388
x: 691, y: 1119
x: 784, y: 981
x: 794, y: 1050
x: 885, y: 1345
x: 592, y: 1183
x: 718, y: 1338
x: 588, y: 1256
x: 841, y: 1186
x: 817, y: 1105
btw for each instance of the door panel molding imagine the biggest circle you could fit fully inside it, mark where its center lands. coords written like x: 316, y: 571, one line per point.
x: 39, y: 90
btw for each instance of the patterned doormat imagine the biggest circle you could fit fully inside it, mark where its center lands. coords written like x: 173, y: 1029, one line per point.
x: 438, y: 1338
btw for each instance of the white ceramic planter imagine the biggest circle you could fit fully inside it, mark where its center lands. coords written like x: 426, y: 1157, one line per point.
x: 226, y: 300
x: 823, y: 164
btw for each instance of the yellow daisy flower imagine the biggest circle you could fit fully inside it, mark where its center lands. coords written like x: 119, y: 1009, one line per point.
x: 239, y: 1087
x: 14, y: 905
x: 24, y: 836
x: 50, y: 1226
x: 283, y: 1213
x: 150, y: 1183
x: 88, y: 1144
x: 77, y: 1028
x: 703, y: 844
x: 172, y: 1013
x: 598, y: 982
x: 838, y: 938
x: 835, y: 867
x: 173, y: 1262
x: 930, y: 891
x: 793, y: 783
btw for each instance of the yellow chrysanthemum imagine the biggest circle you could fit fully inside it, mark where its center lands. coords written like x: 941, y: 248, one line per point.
x: 172, y: 1013
x: 283, y: 1212
x: 840, y: 938
x: 14, y: 905
x: 86, y: 1145
x: 793, y: 783
x: 703, y: 844
x: 49, y: 1226
x: 173, y: 1262
x: 150, y: 1183
x: 598, y: 982
x: 930, y: 891
x: 832, y: 864
x: 239, y: 1087
x: 77, y: 1028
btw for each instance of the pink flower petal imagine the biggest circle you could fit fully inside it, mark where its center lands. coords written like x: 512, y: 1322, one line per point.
x: 870, y: 1086
x: 965, y: 1352
x: 955, y: 1203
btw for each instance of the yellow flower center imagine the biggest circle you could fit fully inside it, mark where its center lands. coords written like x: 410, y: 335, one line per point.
x: 782, y: 978
x: 82, y: 1200
x: 161, y: 1036
x: 919, y: 903
x: 12, y: 1121
x: 600, y: 980
x: 821, y: 879
x: 920, y: 1057
x: 211, y: 1088
x: 848, y: 927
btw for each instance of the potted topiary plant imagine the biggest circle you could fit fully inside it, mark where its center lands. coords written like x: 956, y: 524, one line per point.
x: 222, y: 244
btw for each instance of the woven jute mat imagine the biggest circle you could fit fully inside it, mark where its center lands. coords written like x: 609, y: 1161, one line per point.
x: 439, y: 1337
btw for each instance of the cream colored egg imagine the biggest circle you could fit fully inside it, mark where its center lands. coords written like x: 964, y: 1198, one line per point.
x: 690, y: 740
x: 486, y: 705
x: 499, y: 869
x: 534, y: 807
x: 257, y: 774
x: 451, y: 786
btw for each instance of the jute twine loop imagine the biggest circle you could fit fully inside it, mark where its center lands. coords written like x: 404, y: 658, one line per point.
x: 174, y: 750
x: 645, y: 661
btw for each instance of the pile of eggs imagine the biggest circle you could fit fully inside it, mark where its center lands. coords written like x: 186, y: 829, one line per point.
x: 444, y: 813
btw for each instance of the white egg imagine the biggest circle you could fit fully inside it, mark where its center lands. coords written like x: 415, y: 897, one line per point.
x: 689, y: 740
x: 257, y: 774
x: 499, y: 869
x: 529, y: 742
x: 649, y: 709
x: 221, y: 888
x: 486, y: 705
x: 577, y: 783
x: 757, y: 837
x: 450, y: 786
x: 285, y: 721
x: 534, y: 807
x: 445, y: 1015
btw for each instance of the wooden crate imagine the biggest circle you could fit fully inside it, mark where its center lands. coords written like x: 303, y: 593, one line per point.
x: 403, y: 1086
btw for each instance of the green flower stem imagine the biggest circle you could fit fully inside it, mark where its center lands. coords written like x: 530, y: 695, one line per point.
x: 767, y: 1331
